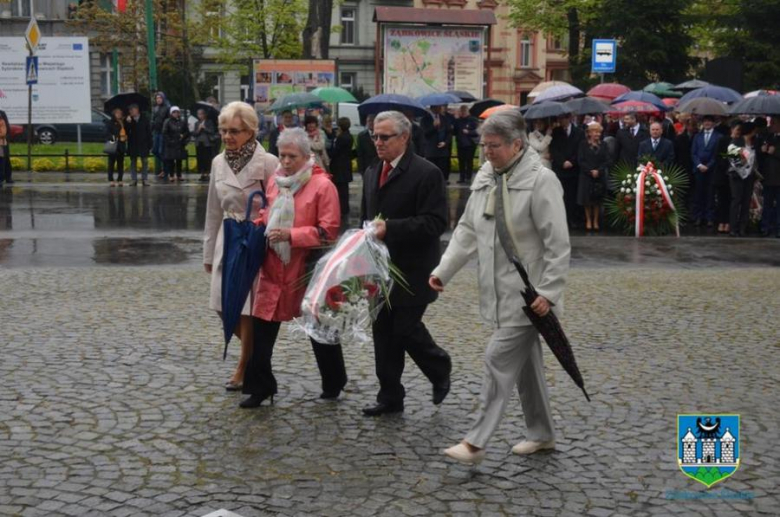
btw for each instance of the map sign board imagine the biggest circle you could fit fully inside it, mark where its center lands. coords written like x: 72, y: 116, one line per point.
x: 275, y: 78
x: 62, y: 93
x: 421, y: 60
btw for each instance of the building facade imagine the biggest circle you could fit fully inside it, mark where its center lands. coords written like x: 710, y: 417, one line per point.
x: 519, y: 59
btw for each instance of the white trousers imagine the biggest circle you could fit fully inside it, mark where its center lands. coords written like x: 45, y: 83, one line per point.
x: 513, y: 357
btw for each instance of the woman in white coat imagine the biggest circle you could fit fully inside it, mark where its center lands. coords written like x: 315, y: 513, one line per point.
x: 241, y: 169
x: 515, y: 184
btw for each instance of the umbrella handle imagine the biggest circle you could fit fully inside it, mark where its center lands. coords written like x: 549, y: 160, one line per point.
x: 249, y: 202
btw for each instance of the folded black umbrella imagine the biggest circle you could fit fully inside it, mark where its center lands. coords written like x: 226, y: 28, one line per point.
x: 124, y: 100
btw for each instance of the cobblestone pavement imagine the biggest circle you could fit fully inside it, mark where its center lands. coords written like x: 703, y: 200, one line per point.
x: 111, y: 403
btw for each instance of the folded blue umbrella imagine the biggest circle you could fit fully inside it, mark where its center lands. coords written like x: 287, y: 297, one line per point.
x: 391, y: 102
x: 244, y: 253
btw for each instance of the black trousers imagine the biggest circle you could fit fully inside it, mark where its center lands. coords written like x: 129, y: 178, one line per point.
x: 259, y: 377
x: 117, y: 161
x: 574, y: 212
x: 397, y: 332
x: 5, y: 165
x: 466, y: 162
x: 204, y: 155
x: 741, y: 193
x: 343, y: 190
x: 723, y: 204
x: 443, y: 163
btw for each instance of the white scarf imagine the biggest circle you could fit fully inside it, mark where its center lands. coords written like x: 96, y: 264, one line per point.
x: 283, y: 209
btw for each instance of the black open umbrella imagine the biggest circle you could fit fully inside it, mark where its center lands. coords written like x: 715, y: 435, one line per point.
x: 587, y: 106
x: 124, y: 100
x: 212, y: 111
x: 547, y: 109
x: 693, y: 84
x: 759, y: 105
x: 478, y: 107
x: 464, y: 96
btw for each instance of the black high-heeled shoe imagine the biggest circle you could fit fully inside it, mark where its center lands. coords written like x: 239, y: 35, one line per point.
x: 253, y: 401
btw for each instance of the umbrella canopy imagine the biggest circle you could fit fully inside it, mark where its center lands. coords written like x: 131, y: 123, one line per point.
x: 124, y: 100
x: 539, y: 88
x: 693, y: 84
x: 558, y: 92
x: 587, y: 106
x: 438, y: 99
x: 671, y: 102
x: 621, y: 108
x: 608, y: 91
x: 758, y: 105
x: 391, y: 102
x: 478, y: 107
x: 463, y: 96
x: 703, y: 106
x: 755, y: 93
x: 524, y: 108
x: 662, y: 89
x: 713, y: 92
x: 244, y: 253
x: 485, y: 114
x: 641, y: 96
x: 333, y: 94
x: 547, y: 109
x: 295, y: 101
x: 212, y: 112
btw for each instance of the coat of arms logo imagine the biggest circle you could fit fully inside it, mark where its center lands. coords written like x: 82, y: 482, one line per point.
x: 708, y: 446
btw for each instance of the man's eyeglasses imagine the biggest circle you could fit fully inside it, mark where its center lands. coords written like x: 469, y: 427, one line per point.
x: 231, y: 132
x: 383, y: 138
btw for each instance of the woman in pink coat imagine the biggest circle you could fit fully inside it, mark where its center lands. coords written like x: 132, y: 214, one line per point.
x: 303, y: 212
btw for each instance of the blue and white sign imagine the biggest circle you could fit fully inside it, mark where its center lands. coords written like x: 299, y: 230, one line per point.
x: 604, y: 56
x: 32, y: 70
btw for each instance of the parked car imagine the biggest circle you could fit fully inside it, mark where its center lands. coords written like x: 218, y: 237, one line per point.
x: 349, y: 110
x: 94, y: 131
x: 17, y: 133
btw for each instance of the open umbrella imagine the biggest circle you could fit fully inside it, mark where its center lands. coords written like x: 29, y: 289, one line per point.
x: 539, y: 88
x: 391, y: 102
x: 438, y: 99
x: 124, y: 100
x: 212, y: 112
x: 478, y: 107
x: 693, y: 84
x: 547, y: 109
x: 333, y: 94
x: 662, y: 89
x: 463, y: 96
x: 758, y: 105
x: 608, y: 91
x: 641, y: 96
x: 670, y: 102
x: 755, y: 93
x: 485, y: 114
x: 295, y: 101
x: 558, y: 92
x: 244, y: 252
x: 587, y: 106
x: 720, y: 93
x: 621, y: 108
x: 703, y: 106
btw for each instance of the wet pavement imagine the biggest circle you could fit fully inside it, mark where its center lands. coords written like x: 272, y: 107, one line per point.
x: 77, y: 220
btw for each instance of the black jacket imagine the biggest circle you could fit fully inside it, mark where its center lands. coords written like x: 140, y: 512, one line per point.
x: 436, y: 135
x: 5, y: 163
x: 663, y: 154
x: 769, y: 164
x: 564, y: 149
x: 139, y: 136
x: 413, y: 202
x: 628, y: 145
x: 113, y: 132
x: 682, y: 151
x: 341, y: 159
x: 468, y: 139
x: 418, y: 140
x: 175, y: 135
x: 159, y: 116
x: 366, y: 151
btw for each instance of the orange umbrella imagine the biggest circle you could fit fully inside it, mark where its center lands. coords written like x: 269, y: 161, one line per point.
x: 494, y: 109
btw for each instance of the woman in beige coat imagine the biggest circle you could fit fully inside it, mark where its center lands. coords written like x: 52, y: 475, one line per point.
x: 241, y: 169
x: 532, y: 205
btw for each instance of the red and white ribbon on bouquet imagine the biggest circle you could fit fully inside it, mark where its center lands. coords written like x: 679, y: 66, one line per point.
x: 330, y: 266
x: 649, y: 170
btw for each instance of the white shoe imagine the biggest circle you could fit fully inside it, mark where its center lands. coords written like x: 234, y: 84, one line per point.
x: 462, y: 453
x: 530, y: 447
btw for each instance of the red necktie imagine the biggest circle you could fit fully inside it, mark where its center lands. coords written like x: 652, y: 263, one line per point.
x: 385, y: 173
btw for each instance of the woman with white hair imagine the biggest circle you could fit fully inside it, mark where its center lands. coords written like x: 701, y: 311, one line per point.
x: 515, y: 208
x: 303, y: 213
x: 242, y: 168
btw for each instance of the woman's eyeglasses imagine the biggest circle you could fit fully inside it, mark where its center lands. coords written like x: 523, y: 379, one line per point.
x: 383, y: 138
x: 231, y: 132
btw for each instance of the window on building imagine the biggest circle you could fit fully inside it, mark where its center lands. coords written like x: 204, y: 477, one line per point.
x: 105, y: 75
x: 347, y: 80
x: 212, y: 22
x: 348, y: 26
x: 20, y: 8
x: 526, y: 50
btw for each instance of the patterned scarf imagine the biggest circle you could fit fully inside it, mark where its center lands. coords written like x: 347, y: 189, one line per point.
x: 238, y: 158
x: 283, y: 210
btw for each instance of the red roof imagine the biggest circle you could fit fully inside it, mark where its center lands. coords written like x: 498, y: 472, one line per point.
x: 434, y: 16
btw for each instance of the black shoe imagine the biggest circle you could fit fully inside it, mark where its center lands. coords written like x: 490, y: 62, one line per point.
x: 330, y: 395
x: 254, y: 401
x: 134, y: 184
x: 440, y: 391
x: 383, y: 409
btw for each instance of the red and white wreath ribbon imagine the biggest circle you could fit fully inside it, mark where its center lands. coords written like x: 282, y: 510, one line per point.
x: 645, y: 171
x: 332, y: 263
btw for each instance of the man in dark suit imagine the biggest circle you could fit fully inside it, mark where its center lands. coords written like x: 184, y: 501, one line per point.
x: 287, y: 121
x: 704, y: 157
x: 438, y: 139
x: 409, y: 194
x: 564, y: 147
x: 365, y: 149
x: 657, y: 147
x: 628, y: 139
x: 139, y: 143
x: 682, y: 155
